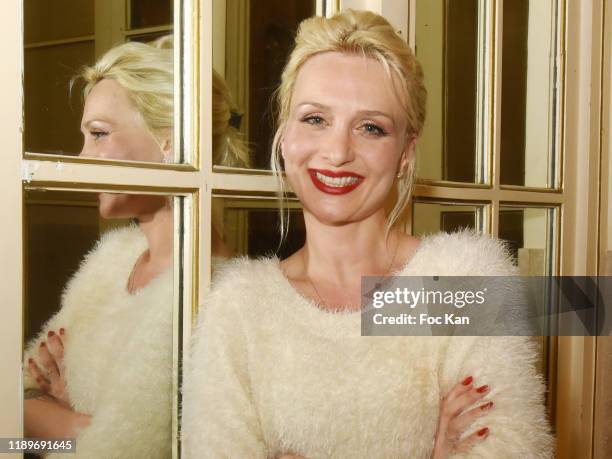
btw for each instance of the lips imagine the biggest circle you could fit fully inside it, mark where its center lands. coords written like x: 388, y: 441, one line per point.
x: 332, y: 182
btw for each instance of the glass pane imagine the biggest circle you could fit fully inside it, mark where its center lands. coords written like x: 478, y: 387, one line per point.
x: 447, y: 47
x: 529, y: 232
x: 252, y: 227
x: 432, y: 217
x: 528, y: 81
x: 52, y: 118
x: 251, y: 43
x: 149, y: 13
x: 99, y: 305
x: 87, y: 92
x: 46, y: 20
x: 147, y: 37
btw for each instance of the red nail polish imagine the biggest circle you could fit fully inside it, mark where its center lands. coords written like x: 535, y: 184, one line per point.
x: 61, y: 331
x: 50, y: 334
x: 43, y: 344
x: 467, y: 381
x: 30, y: 360
x: 482, y: 432
x: 487, y: 406
x: 482, y: 389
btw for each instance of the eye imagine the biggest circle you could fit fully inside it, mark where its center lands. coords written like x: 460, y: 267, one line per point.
x: 97, y: 135
x: 374, y: 130
x: 314, y: 120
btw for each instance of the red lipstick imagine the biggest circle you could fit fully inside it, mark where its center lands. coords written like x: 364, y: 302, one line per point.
x: 329, y: 189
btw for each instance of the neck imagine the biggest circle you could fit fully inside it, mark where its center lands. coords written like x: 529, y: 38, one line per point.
x: 342, y: 254
x: 158, y: 229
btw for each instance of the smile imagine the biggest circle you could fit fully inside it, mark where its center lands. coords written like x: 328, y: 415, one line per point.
x: 335, y: 182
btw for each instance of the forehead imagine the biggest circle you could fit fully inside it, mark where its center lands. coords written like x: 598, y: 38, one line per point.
x: 111, y: 101
x: 335, y: 78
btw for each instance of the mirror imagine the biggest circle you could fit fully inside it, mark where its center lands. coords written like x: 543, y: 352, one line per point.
x: 60, y: 97
x: 251, y: 42
x: 530, y: 233
x: 99, y: 321
x: 250, y: 227
x: 528, y: 80
x: 430, y: 217
x: 447, y: 48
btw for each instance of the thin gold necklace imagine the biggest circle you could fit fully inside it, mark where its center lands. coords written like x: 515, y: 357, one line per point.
x: 387, y: 271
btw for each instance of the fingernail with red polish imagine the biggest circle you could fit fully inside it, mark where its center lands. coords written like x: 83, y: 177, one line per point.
x: 482, y: 389
x: 482, y: 432
x: 467, y: 381
x: 30, y: 360
x: 61, y: 331
x: 487, y: 406
x: 43, y: 344
x: 50, y: 334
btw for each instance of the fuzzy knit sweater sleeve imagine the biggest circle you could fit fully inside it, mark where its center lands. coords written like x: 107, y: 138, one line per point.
x: 517, y: 422
x: 218, y: 416
x: 71, y: 311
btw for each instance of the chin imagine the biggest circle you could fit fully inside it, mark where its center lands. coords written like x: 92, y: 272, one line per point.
x: 118, y: 205
x: 334, y: 214
x: 113, y: 206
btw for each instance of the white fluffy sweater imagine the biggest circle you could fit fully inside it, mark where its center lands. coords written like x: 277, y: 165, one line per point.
x: 270, y: 373
x: 118, y: 353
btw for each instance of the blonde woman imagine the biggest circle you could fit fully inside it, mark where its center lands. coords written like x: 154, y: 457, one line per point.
x: 279, y: 367
x: 101, y: 367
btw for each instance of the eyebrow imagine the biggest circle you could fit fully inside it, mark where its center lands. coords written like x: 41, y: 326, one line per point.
x: 87, y: 123
x: 363, y: 112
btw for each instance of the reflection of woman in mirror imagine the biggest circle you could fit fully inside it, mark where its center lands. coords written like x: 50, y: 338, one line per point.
x: 279, y: 367
x: 101, y: 368
x: 229, y: 149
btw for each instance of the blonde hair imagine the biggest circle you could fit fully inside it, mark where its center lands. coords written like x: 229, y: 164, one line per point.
x: 369, y: 35
x: 228, y: 147
x: 146, y: 71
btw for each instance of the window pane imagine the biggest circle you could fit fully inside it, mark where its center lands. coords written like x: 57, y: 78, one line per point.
x: 46, y: 20
x: 447, y: 47
x: 530, y: 233
x: 528, y: 99
x: 251, y: 43
x: 149, y: 13
x: 52, y: 117
x: 432, y: 217
x: 97, y: 289
x: 252, y: 227
x: 117, y: 125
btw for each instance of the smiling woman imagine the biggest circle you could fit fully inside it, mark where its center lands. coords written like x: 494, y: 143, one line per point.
x: 279, y: 368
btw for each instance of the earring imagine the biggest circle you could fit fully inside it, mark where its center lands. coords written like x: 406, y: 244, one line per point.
x: 400, y: 175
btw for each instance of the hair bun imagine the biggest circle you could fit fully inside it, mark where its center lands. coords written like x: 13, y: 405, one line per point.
x: 165, y: 42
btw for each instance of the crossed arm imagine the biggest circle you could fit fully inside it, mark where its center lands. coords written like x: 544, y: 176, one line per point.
x: 49, y: 414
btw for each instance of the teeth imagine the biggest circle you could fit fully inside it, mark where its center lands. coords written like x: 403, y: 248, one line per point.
x: 338, y: 182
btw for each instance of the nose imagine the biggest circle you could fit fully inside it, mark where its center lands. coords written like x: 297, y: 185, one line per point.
x: 86, y: 151
x: 339, y: 149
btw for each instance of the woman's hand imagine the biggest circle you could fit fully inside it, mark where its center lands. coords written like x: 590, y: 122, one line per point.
x: 454, y: 420
x: 50, y: 378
